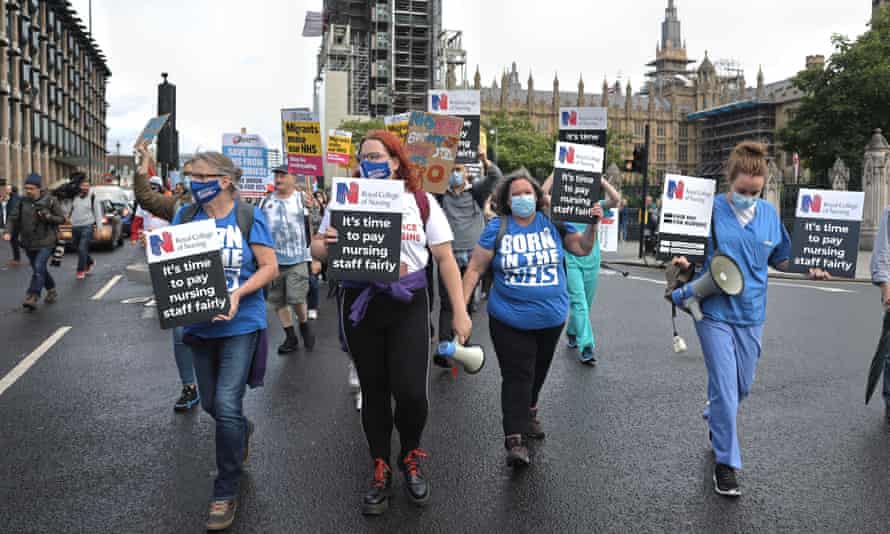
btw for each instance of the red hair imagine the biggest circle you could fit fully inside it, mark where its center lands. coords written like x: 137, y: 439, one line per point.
x: 396, y: 149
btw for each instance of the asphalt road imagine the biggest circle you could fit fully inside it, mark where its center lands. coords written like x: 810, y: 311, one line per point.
x: 90, y: 442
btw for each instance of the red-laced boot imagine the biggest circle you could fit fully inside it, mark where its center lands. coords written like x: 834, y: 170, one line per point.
x: 416, y: 484
x: 377, y: 499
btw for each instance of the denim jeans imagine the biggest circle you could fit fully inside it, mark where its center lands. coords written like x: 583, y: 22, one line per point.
x: 312, y: 297
x: 185, y: 358
x: 222, y: 366
x: 16, y: 247
x: 40, y: 277
x: 82, y: 235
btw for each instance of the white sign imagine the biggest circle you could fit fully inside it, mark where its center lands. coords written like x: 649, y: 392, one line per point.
x: 608, y: 230
x: 583, y: 158
x: 181, y: 240
x: 297, y: 115
x: 686, y: 206
x: 249, y: 153
x: 357, y: 194
x: 830, y: 204
x: 583, y: 118
x: 463, y: 103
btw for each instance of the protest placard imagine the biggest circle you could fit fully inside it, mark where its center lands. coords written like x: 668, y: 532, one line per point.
x: 685, y: 220
x: 608, y: 230
x: 398, y: 124
x: 368, y: 217
x: 302, y: 142
x: 826, y: 231
x: 432, y: 147
x: 577, y: 175
x: 583, y: 126
x: 339, y: 144
x: 187, y: 275
x: 152, y: 129
x: 467, y: 105
x: 249, y: 153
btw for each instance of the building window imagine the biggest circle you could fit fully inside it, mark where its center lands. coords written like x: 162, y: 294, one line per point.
x: 661, y: 153
x: 684, y: 131
x: 684, y: 153
x: 639, y: 131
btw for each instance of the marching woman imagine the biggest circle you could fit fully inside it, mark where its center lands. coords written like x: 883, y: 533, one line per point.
x: 528, y: 303
x: 749, y: 231
x: 387, y: 325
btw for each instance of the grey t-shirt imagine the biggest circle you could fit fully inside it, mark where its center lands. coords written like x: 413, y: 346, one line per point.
x: 85, y: 211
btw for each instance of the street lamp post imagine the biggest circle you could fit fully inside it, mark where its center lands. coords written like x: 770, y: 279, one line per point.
x: 494, y: 133
x: 117, y: 167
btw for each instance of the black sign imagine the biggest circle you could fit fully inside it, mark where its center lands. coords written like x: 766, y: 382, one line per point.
x: 468, y: 149
x: 368, y: 246
x: 584, y: 137
x: 189, y: 290
x: 830, y: 245
x: 673, y: 245
x: 574, y: 194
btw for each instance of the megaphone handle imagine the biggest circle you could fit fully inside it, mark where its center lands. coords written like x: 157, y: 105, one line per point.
x: 694, y: 308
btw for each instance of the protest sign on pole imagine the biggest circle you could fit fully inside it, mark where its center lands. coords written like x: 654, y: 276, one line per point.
x: 826, y: 231
x: 608, y: 230
x: 186, y: 269
x: 368, y: 217
x: 577, y: 175
x: 302, y: 142
x: 398, y: 124
x: 468, y: 106
x: 583, y: 126
x: 432, y: 146
x: 685, y: 220
x: 249, y: 153
x: 339, y: 143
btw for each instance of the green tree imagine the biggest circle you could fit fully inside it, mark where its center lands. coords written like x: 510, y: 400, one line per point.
x: 517, y: 143
x: 360, y: 128
x: 845, y: 101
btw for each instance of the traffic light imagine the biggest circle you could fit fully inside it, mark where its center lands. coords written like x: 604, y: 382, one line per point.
x: 639, y: 161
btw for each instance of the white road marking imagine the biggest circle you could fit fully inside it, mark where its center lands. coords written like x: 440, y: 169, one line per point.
x: 650, y: 280
x: 814, y: 287
x: 136, y: 300
x: 31, y: 359
x: 107, y: 287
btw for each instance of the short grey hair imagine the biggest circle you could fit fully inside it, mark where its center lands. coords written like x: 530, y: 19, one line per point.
x: 222, y: 163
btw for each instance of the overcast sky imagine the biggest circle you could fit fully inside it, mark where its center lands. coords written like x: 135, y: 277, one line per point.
x: 236, y: 64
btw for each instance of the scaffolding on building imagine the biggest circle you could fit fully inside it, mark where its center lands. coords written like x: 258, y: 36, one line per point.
x: 451, y: 67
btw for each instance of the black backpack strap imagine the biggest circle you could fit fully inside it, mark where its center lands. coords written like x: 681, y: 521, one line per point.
x: 244, y: 217
x: 714, y: 231
x: 189, y: 211
x: 502, y: 231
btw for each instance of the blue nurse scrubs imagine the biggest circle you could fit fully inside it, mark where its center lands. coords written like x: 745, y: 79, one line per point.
x: 732, y: 328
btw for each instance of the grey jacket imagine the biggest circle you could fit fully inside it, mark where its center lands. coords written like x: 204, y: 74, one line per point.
x: 880, y: 257
x: 36, y: 221
x: 464, y: 210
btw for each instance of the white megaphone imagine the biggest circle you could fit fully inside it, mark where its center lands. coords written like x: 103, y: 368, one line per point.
x: 472, y: 358
x: 722, y: 277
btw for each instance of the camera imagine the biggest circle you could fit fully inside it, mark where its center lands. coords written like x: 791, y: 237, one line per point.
x: 58, y: 254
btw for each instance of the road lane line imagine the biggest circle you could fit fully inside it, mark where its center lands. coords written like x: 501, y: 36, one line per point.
x: 31, y: 359
x: 650, y: 280
x: 817, y: 288
x: 107, y: 287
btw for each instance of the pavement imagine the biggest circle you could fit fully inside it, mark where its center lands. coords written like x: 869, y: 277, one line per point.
x: 90, y: 441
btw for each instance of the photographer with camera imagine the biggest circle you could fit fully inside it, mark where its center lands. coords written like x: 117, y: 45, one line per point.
x: 35, y: 220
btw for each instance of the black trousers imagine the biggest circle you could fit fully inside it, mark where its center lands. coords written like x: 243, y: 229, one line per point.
x: 446, y: 315
x: 390, y: 347
x: 524, y: 357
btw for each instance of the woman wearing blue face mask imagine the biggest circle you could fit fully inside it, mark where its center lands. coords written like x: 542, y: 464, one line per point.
x: 528, y: 303
x: 749, y: 231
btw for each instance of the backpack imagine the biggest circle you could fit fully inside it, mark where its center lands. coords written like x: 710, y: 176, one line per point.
x: 423, y: 203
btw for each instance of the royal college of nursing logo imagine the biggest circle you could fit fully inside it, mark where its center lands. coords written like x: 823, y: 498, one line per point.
x: 811, y: 203
x: 570, y: 118
x: 567, y: 155
x: 676, y: 189
x: 440, y: 102
x: 347, y: 193
x: 161, y: 244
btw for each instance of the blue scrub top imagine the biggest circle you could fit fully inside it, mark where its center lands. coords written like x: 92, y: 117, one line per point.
x: 762, y: 243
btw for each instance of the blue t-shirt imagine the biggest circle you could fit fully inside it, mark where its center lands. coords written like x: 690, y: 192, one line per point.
x: 529, y: 290
x: 761, y: 243
x: 239, y: 264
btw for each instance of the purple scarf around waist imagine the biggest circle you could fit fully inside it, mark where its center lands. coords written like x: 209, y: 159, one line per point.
x: 402, y: 291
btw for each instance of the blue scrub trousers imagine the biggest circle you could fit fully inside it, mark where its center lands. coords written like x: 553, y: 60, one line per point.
x: 582, y: 274
x: 731, y: 353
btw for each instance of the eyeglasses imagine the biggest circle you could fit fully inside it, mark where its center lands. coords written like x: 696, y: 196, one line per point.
x: 375, y: 156
x: 203, y: 177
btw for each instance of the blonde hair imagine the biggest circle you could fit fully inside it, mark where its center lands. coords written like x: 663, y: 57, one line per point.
x: 748, y: 157
x: 223, y: 164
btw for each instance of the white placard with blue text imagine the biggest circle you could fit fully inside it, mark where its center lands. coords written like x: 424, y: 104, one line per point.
x: 250, y: 154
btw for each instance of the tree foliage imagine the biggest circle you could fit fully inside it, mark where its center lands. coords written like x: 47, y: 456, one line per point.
x: 360, y: 128
x: 517, y: 143
x: 844, y: 102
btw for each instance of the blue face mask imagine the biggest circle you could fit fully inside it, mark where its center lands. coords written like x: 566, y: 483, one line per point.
x: 456, y: 179
x: 204, y: 192
x: 375, y: 171
x: 743, y: 202
x: 523, y: 205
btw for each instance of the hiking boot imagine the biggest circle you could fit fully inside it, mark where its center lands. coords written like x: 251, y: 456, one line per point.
x: 307, y: 335
x: 572, y: 341
x: 376, y: 501
x: 725, y: 482
x: 221, y: 514
x: 30, y: 303
x: 535, y: 430
x: 517, y: 453
x: 290, y: 345
x: 188, y: 399
x: 51, y: 296
x: 415, y: 483
x: 250, y: 428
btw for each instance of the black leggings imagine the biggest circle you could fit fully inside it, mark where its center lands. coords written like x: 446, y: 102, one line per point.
x: 390, y: 347
x: 524, y: 357
x: 446, y: 315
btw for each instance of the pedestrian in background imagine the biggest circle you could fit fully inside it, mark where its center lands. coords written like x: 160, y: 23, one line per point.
x: 36, y: 221
x: 880, y: 276
x: 12, y: 200
x: 84, y: 215
x: 529, y: 301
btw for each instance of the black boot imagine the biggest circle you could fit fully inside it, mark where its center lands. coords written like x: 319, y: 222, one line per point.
x: 291, y: 342
x: 535, y: 430
x: 517, y: 453
x: 377, y: 499
x: 307, y: 335
x: 415, y: 483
